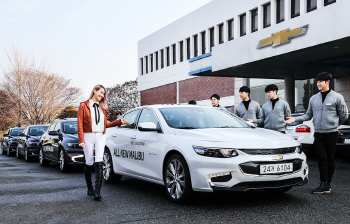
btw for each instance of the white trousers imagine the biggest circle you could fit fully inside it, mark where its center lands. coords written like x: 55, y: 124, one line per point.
x: 97, y: 142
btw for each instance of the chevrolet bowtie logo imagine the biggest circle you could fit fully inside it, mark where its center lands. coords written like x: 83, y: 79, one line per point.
x: 282, y: 37
x: 277, y: 157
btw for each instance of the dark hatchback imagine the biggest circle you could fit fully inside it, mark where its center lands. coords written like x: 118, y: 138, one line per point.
x: 60, y: 144
x: 9, y: 143
x: 28, y: 141
x: 343, y: 143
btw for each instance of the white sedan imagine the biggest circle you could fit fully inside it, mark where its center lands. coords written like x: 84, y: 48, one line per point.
x: 193, y: 148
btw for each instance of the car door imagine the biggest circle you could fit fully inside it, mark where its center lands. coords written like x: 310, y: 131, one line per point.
x: 56, y: 141
x: 119, y: 142
x: 145, y: 148
x: 22, y: 140
x: 47, y: 142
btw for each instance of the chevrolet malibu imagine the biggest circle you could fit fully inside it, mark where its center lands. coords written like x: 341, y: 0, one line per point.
x: 193, y: 148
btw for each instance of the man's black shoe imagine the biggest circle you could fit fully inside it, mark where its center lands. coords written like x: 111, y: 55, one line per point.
x: 323, y: 188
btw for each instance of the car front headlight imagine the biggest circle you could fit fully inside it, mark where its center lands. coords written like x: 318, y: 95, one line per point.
x: 215, y: 152
x: 298, y: 149
x: 73, y: 145
x: 33, y: 143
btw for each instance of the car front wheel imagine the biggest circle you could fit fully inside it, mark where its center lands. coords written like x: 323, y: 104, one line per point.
x: 2, y: 149
x: 8, y: 151
x: 108, y: 172
x: 177, y: 179
x: 26, y: 155
x: 63, y: 162
x: 42, y: 160
x: 18, y: 155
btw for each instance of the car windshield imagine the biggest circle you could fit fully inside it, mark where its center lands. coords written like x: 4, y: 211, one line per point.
x: 37, y: 130
x: 197, y: 117
x: 16, y: 132
x: 70, y: 127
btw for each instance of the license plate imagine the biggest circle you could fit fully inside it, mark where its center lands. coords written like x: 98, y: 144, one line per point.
x: 346, y: 141
x: 289, y: 131
x: 276, y: 168
x: 48, y: 148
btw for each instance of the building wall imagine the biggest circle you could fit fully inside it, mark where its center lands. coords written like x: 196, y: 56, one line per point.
x: 159, y: 95
x: 201, y: 88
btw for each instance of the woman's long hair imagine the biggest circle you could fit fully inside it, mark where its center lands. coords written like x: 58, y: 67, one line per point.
x: 102, y: 102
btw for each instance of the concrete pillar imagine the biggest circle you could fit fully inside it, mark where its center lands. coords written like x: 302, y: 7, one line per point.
x: 191, y: 47
x: 216, y: 35
x: 199, y: 43
x: 260, y: 17
x: 303, y: 7
x: 248, y: 17
x: 225, y: 31
x: 289, y: 90
x: 145, y: 65
x: 207, y: 41
x: 273, y: 12
x: 320, y: 4
x: 287, y: 9
x: 236, y: 29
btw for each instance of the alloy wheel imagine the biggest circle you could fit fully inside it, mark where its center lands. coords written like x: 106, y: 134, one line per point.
x: 106, y: 166
x: 175, y: 179
x: 26, y: 154
x: 62, y: 162
x: 41, y: 159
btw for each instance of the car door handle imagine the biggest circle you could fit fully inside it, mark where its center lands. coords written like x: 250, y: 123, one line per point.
x: 114, y: 135
x: 133, y: 137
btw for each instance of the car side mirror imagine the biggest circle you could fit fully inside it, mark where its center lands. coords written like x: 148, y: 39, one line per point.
x: 149, y: 126
x: 253, y: 125
x: 5, y: 135
x: 53, y: 133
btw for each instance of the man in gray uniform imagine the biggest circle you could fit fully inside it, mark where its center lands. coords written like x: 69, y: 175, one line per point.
x: 328, y: 110
x: 274, y: 112
x: 247, y: 109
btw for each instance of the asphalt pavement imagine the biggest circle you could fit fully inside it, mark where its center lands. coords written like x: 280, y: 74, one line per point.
x: 30, y: 193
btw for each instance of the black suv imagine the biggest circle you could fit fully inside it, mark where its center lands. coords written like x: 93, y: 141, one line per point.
x: 9, y: 142
x: 60, y: 144
x: 28, y: 141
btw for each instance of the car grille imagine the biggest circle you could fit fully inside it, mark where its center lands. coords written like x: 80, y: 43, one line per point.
x: 267, y: 184
x: 254, y: 167
x: 268, y: 151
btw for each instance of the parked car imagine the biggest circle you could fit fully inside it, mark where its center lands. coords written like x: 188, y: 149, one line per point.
x: 303, y: 132
x: 60, y: 144
x: 343, y: 143
x: 28, y: 141
x: 195, y: 148
x: 9, y: 143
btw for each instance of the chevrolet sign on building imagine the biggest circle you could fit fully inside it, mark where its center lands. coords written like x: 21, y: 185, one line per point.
x: 231, y: 45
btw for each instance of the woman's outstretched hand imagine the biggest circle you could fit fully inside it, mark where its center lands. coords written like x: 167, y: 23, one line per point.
x: 124, y: 120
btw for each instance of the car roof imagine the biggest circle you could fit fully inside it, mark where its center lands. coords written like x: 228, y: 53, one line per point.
x: 38, y: 125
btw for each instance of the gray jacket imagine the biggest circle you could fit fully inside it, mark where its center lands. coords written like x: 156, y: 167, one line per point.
x: 327, y: 115
x: 221, y: 107
x: 253, y: 112
x: 274, y: 119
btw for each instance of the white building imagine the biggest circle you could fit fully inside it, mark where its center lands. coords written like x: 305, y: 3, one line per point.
x: 215, y: 49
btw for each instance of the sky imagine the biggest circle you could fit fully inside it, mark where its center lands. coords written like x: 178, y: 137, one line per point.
x: 90, y: 42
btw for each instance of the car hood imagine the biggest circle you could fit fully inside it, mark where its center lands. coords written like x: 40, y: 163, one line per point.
x: 71, y: 136
x: 14, y: 138
x: 34, y: 138
x: 241, y: 137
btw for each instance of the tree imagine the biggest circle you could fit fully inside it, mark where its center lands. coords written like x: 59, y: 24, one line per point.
x: 68, y: 112
x: 123, y: 97
x: 39, y: 94
x: 8, y: 111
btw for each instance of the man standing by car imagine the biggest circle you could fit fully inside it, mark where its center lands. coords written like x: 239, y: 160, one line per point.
x: 274, y: 112
x: 215, y: 99
x: 247, y: 109
x: 328, y: 110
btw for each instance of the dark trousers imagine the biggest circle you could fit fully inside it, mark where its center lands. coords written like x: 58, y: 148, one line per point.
x: 325, y: 149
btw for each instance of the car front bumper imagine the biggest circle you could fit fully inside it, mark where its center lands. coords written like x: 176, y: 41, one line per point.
x: 211, y: 174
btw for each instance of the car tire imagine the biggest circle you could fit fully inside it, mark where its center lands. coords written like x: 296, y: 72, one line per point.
x: 64, y: 167
x: 18, y: 156
x: 280, y: 190
x: 177, y: 179
x: 8, y: 151
x: 108, y: 172
x: 27, y: 158
x: 42, y: 160
x: 2, y: 149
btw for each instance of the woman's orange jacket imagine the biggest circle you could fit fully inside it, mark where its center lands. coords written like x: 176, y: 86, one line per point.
x: 84, y: 121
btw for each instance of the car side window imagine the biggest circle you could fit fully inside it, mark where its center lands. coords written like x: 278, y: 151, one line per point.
x: 148, y: 116
x: 131, y: 117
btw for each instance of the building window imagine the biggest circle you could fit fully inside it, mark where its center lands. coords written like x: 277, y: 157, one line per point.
x: 188, y: 43
x: 243, y: 28
x: 311, y: 5
x: 254, y: 14
x: 195, y: 45
x: 221, y: 33
x: 295, y: 9
x: 267, y: 15
x: 328, y: 2
x: 211, y: 32
x: 151, y: 60
x: 230, y: 29
x: 203, y: 42
x: 162, y: 58
x: 181, y: 51
x: 167, y: 56
x: 156, y: 55
x: 141, y: 62
x: 146, y: 60
x: 174, y: 54
x: 280, y: 11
